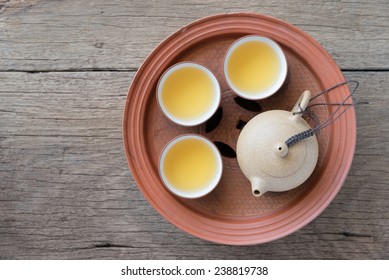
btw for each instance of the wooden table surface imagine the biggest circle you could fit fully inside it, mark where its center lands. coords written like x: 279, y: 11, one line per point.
x: 66, y: 191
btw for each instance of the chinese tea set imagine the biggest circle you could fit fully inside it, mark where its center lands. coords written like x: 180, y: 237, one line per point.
x: 277, y: 150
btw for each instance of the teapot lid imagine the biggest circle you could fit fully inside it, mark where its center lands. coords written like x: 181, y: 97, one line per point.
x: 264, y: 157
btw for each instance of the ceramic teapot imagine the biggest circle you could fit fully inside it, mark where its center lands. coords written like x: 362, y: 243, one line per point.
x: 265, y: 158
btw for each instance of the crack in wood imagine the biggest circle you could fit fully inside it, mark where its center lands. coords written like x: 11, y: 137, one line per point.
x: 110, y: 245
x: 102, y: 245
x: 353, y: 234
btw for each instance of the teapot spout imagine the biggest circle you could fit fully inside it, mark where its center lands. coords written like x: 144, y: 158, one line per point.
x: 257, y: 186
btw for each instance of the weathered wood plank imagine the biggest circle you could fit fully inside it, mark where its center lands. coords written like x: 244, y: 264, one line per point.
x: 84, y: 35
x: 66, y: 191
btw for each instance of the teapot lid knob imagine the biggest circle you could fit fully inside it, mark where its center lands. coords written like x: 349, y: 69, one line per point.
x: 281, y: 149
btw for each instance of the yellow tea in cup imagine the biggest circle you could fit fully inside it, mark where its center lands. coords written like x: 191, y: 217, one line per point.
x: 190, y: 166
x: 255, y: 67
x: 188, y: 93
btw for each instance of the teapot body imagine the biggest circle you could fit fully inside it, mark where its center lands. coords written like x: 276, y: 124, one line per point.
x: 265, y: 159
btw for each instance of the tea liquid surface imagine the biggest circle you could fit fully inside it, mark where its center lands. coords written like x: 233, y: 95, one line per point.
x: 188, y: 93
x: 190, y: 165
x: 253, y: 67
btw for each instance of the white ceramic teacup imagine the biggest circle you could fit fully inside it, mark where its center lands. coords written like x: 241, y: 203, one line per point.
x: 188, y: 93
x: 255, y: 67
x: 190, y: 166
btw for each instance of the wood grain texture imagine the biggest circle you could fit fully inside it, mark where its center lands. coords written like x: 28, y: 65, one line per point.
x: 65, y: 188
x: 66, y: 191
x: 118, y: 35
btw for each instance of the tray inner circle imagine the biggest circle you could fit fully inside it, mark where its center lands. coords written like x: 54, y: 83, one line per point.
x: 233, y: 197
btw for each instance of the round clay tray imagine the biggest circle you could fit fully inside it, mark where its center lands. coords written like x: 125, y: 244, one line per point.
x: 231, y: 214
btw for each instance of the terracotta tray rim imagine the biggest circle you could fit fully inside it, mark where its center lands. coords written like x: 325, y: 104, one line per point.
x: 304, y: 218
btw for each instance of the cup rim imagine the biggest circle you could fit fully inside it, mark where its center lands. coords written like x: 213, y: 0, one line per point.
x: 203, y: 191
x: 280, y: 54
x: 217, y: 93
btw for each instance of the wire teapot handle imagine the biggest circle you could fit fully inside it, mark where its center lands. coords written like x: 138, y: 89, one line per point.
x: 330, y: 120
